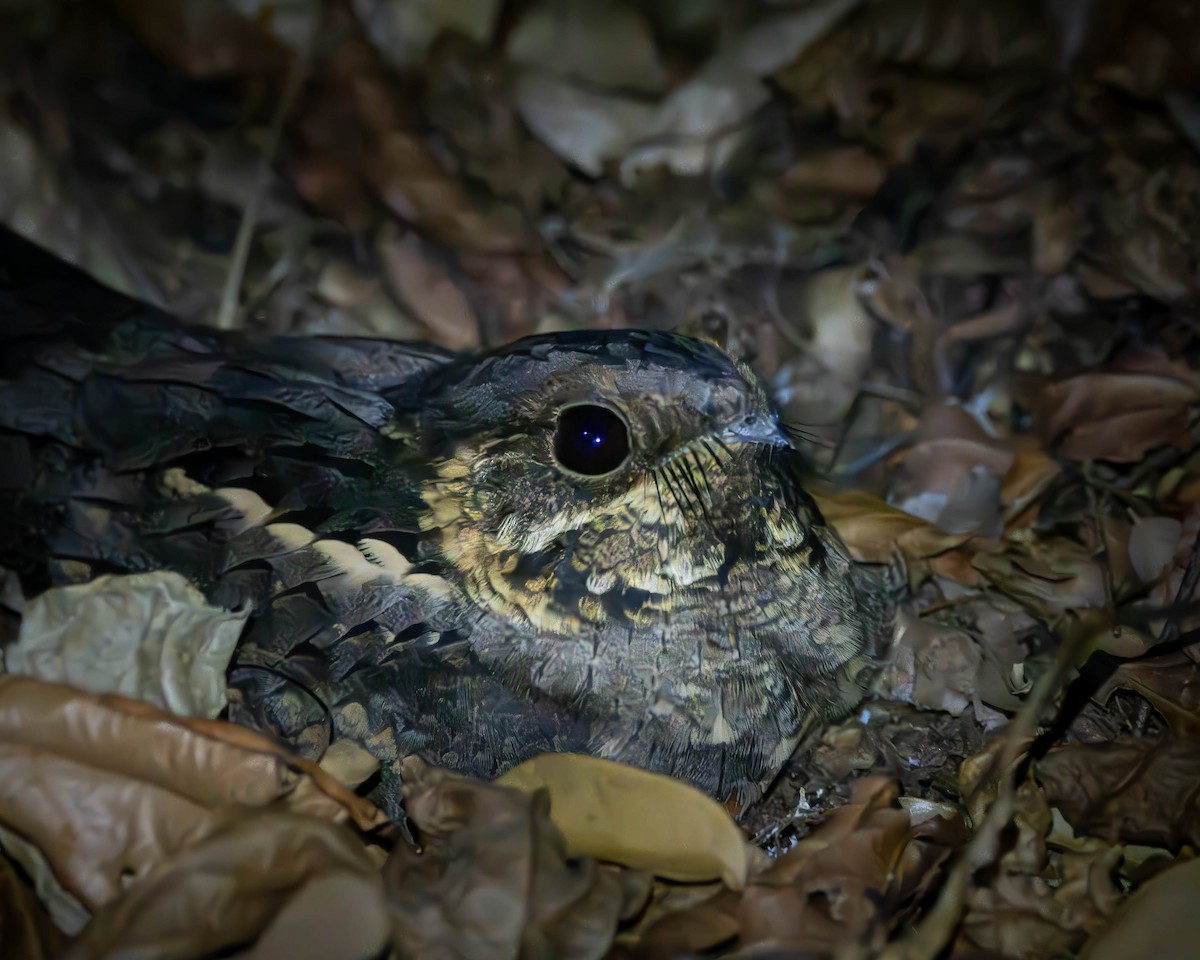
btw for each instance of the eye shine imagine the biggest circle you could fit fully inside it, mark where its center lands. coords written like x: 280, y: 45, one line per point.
x: 591, y: 440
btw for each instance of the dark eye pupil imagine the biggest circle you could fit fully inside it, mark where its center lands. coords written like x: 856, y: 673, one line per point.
x: 591, y: 440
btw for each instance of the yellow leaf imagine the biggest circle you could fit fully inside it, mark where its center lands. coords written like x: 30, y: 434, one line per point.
x: 643, y: 820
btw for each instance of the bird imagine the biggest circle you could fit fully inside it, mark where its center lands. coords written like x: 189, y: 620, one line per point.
x: 597, y: 541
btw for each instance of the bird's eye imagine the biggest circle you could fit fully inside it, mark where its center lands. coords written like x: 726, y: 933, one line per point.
x: 591, y: 440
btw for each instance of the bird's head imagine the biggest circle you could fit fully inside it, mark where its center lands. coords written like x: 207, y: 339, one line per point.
x: 631, y: 499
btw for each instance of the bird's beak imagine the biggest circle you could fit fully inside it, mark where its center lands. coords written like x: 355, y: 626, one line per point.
x: 756, y: 428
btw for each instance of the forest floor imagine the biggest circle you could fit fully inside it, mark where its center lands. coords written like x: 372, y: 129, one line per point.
x: 962, y: 245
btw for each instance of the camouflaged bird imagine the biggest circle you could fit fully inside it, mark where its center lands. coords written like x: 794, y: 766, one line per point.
x: 594, y: 541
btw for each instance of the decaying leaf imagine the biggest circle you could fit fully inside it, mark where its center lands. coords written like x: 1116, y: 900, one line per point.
x: 26, y: 930
x: 109, y: 788
x: 429, y: 292
x: 1038, y: 903
x: 298, y: 885
x: 495, y: 878
x: 836, y: 889
x: 1118, y: 415
x: 1132, y: 790
x: 1051, y: 576
x: 1160, y: 920
x: 1137, y: 788
x: 147, y: 635
x: 873, y: 531
x: 931, y: 666
x: 640, y: 819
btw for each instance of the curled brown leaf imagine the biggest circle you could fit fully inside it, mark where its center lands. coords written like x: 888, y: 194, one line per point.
x: 108, y: 788
x: 495, y: 879
x: 299, y: 886
x: 26, y: 930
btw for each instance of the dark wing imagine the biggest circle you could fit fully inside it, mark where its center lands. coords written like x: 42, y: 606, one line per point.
x: 111, y: 411
x: 271, y: 475
x: 284, y: 476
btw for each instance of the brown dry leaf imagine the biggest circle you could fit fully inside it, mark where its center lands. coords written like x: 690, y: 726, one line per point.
x: 1035, y: 904
x: 890, y: 73
x: 952, y: 472
x: 413, y: 186
x: 1137, y: 789
x: 852, y: 877
x: 1144, y: 220
x: 1051, y: 576
x: 205, y: 38
x: 1160, y: 920
x: 875, y: 532
x: 26, y: 930
x: 850, y: 170
x: 1131, y: 790
x: 690, y: 930
x: 361, y: 119
x: 612, y: 811
x: 844, y: 886
x: 429, y: 292
x: 1145, y: 47
x: 1030, y: 475
x: 1121, y: 413
x: 931, y: 665
x: 522, y: 287
x: 494, y: 878
x: 108, y: 788
x: 299, y: 886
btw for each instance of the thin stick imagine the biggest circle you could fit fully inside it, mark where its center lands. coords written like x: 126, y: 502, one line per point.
x: 227, y: 315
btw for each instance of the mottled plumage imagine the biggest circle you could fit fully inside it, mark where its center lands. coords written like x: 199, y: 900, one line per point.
x: 426, y: 572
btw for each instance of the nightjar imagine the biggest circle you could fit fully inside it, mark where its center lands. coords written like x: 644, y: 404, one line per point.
x: 596, y: 541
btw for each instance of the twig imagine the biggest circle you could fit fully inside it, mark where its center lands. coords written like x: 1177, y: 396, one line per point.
x: 297, y: 71
x: 1187, y: 586
x: 930, y: 938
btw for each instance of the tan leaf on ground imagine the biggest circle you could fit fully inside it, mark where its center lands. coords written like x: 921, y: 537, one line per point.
x: 643, y: 820
x: 877, y: 533
x: 1030, y: 474
x: 429, y: 291
x: 851, y: 170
